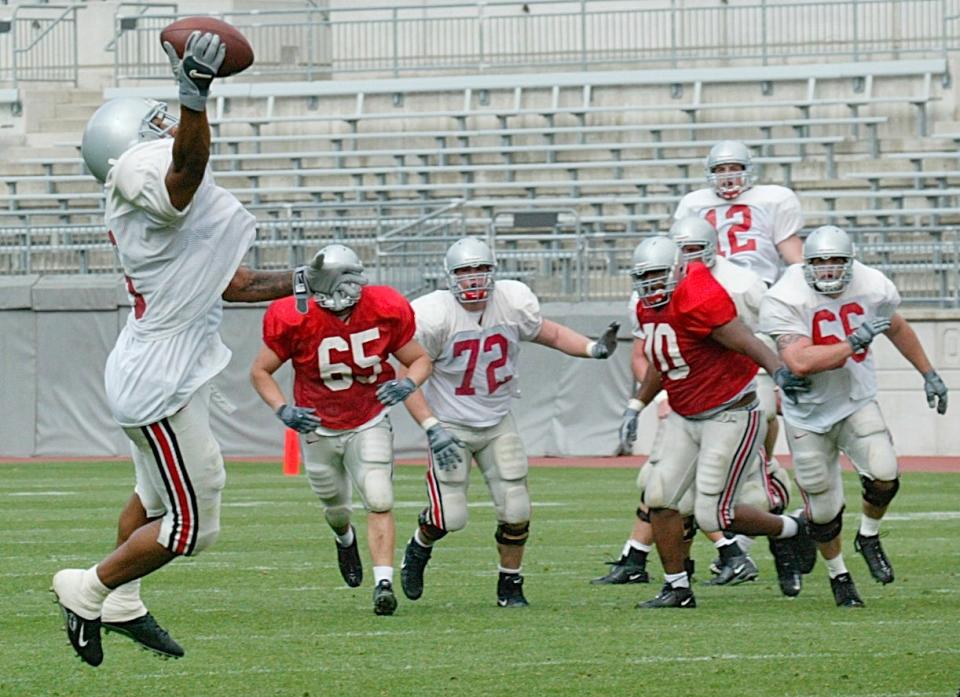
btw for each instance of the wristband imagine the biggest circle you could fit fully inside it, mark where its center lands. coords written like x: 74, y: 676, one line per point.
x: 636, y: 404
x: 590, y: 345
x: 429, y: 423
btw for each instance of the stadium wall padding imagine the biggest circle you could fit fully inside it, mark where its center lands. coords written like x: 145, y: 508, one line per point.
x: 56, y: 333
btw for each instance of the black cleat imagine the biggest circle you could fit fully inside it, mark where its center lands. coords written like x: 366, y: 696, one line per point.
x: 510, y: 591
x: 415, y: 559
x: 349, y: 560
x: 670, y: 597
x: 384, y: 601
x: 788, y: 571
x: 629, y: 568
x: 150, y: 635
x: 844, y: 592
x: 805, y: 547
x: 869, y: 547
x: 734, y: 571
x: 84, y: 634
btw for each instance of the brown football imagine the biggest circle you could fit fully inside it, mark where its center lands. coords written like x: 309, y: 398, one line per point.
x: 239, y: 51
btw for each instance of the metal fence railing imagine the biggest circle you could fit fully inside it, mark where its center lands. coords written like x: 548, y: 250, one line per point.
x: 502, y: 35
x: 38, y: 43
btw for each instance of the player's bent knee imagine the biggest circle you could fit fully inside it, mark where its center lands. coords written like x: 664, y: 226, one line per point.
x: 516, y: 503
x: 824, y: 532
x: 513, y: 534
x: 205, y: 539
x: 337, y: 517
x: 689, y: 528
x: 811, y: 473
x: 454, y: 511
x: 879, y: 493
x: 705, y: 511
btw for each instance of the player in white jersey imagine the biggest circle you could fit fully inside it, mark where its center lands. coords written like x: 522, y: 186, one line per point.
x: 180, y: 239
x: 757, y: 228
x: 824, y: 314
x: 473, y: 332
x: 766, y: 487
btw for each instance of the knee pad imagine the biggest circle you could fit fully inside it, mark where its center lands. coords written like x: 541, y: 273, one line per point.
x: 879, y: 494
x: 705, y: 511
x: 427, y: 529
x: 454, y: 511
x: 516, y: 502
x: 643, y: 514
x: 824, y: 532
x: 811, y: 471
x: 689, y: 528
x: 337, y: 517
x: 513, y: 534
x: 377, y: 489
x: 654, y: 491
x: 325, y: 482
x: 205, y: 539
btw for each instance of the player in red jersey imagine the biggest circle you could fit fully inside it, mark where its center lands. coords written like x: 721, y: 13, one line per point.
x: 706, y: 358
x: 338, y: 344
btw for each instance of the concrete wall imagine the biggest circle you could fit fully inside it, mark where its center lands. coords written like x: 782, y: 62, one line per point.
x: 56, y: 332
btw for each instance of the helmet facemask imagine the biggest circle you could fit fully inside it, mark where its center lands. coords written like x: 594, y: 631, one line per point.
x: 828, y: 278
x: 729, y: 185
x: 472, y: 285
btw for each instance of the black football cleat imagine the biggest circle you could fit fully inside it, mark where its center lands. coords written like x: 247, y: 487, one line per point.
x: 84, y: 634
x: 844, y: 592
x: 510, y: 591
x: 348, y: 558
x: 670, y: 597
x: 384, y: 600
x: 415, y: 559
x: 145, y: 631
x: 734, y: 571
x: 629, y: 568
x: 787, y: 565
x: 805, y: 546
x: 869, y: 547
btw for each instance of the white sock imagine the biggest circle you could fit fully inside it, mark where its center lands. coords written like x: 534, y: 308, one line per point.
x: 680, y: 580
x: 420, y: 541
x: 505, y: 570
x: 789, y: 527
x: 869, y: 527
x: 835, y: 566
x: 745, y: 542
x: 724, y: 541
x: 91, y: 592
x: 346, y: 539
x: 382, y: 573
x: 634, y: 544
x: 124, y: 604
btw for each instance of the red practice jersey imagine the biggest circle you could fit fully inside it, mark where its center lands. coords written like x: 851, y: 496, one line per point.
x: 338, y: 364
x: 698, y: 373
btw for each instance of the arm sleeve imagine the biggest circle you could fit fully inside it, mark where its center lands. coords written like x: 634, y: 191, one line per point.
x: 778, y: 318
x: 275, y: 333
x: 788, y: 219
x: 140, y: 178
x: 527, y: 307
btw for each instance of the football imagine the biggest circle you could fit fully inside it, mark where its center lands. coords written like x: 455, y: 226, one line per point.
x: 239, y: 51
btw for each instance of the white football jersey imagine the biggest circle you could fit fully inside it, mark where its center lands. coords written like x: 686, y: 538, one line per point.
x: 791, y: 306
x: 749, y: 227
x: 744, y: 287
x: 177, y: 265
x: 475, y: 354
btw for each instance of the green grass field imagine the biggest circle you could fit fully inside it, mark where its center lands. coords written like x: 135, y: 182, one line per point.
x: 266, y: 613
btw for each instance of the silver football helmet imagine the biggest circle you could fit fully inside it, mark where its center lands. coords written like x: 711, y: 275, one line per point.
x: 694, y: 231
x: 118, y: 125
x: 470, y: 253
x: 335, y: 277
x: 729, y: 185
x: 828, y: 242
x: 658, y: 266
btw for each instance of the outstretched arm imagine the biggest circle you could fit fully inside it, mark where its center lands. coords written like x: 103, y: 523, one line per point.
x: 573, y: 343
x: 736, y: 336
x: 250, y: 286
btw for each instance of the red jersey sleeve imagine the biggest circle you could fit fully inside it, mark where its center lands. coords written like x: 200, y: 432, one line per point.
x: 277, y: 329
x: 392, y: 304
x: 703, y: 302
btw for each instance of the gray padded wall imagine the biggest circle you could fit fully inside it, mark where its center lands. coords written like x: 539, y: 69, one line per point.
x: 55, y: 335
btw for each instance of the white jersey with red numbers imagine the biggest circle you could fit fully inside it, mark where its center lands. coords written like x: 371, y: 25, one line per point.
x: 793, y: 307
x: 475, y: 353
x: 699, y: 374
x: 749, y: 227
x: 744, y: 287
x: 177, y: 265
x: 339, y: 364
